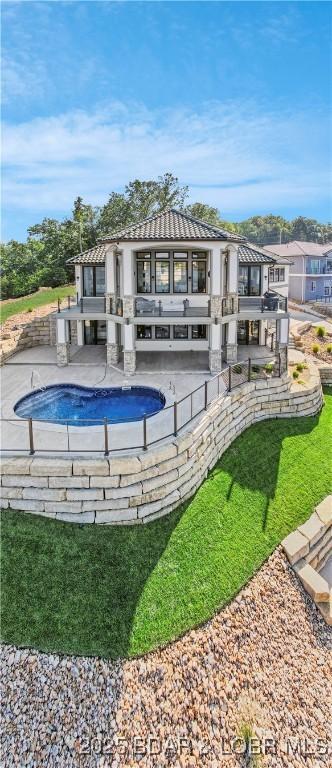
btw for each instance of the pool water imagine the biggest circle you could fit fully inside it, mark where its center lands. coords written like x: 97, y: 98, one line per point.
x: 87, y: 406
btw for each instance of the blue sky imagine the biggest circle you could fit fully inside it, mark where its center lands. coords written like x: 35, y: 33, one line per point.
x: 231, y: 97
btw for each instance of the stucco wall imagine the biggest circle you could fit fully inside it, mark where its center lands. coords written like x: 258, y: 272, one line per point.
x: 135, y: 489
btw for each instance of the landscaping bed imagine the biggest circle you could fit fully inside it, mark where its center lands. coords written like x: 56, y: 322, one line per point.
x: 315, y: 341
x: 121, y: 591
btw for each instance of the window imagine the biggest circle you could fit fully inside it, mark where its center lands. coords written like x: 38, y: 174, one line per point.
x: 93, y: 281
x: 144, y: 332
x: 162, y: 277
x: 180, y: 332
x: 314, y: 267
x: 249, y: 283
x: 143, y: 277
x: 198, y: 276
x: 180, y: 255
x: 162, y: 254
x: 326, y: 290
x: 180, y: 277
x: 313, y: 285
x: 162, y: 332
x: 198, y: 332
x: 271, y: 275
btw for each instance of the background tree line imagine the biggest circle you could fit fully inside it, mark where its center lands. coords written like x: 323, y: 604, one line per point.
x: 41, y: 260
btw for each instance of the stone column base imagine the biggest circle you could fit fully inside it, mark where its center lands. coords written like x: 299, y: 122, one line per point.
x: 231, y: 353
x: 112, y: 353
x: 231, y: 304
x: 62, y: 354
x: 215, y: 305
x: 129, y: 361
x: 110, y: 303
x: 128, y: 306
x: 215, y: 360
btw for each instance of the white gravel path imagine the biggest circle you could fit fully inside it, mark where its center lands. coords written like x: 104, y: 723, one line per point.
x: 267, y: 656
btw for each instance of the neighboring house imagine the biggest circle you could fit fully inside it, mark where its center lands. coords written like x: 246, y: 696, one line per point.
x: 310, y: 274
x: 171, y: 284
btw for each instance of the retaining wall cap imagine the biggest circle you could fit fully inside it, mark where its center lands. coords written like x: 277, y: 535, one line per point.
x: 150, y: 459
x: 314, y: 583
x: 324, y: 510
x: 296, y: 546
x: 312, y: 529
x: 90, y: 467
x: 19, y: 466
x: 128, y: 465
x: 44, y: 467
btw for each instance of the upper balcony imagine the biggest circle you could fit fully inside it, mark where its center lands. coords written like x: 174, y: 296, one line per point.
x: 322, y: 268
x: 270, y: 302
x: 171, y: 307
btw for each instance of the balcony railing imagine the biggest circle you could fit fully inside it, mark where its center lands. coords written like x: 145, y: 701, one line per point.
x: 152, y: 308
x: 270, y: 302
x: 92, y: 304
x: 324, y: 269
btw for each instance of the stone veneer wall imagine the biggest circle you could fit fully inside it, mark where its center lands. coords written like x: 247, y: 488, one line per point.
x: 134, y: 489
x: 325, y: 372
x: 40, y: 331
x: 308, y: 549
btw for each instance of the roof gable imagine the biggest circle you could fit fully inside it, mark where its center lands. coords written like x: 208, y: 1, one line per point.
x: 94, y: 255
x: 172, y: 225
x: 249, y: 254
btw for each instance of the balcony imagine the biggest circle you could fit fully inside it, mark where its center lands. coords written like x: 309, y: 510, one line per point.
x: 323, y: 269
x: 92, y: 305
x: 157, y: 308
x: 270, y: 302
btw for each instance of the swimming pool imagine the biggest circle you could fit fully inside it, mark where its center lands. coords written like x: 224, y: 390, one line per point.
x: 87, y: 406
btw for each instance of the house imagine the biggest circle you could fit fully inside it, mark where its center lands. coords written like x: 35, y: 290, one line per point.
x: 172, y: 283
x: 310, y: 273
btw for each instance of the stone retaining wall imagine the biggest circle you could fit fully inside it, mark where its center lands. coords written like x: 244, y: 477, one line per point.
x: 139, y: 488
x: 325, y: 372
x: 40, y: 331
x: 308, y: 549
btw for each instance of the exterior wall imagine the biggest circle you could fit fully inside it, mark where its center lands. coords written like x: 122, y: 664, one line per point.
x: 134, y: 489
x: 321, y: 282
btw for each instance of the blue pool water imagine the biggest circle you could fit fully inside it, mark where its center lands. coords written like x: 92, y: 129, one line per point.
x: 87, y: 406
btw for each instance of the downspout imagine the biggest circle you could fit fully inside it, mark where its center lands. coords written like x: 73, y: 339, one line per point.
x: 303, y: 280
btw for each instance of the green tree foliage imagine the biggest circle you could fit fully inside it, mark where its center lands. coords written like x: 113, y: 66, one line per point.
x: 42, y: 259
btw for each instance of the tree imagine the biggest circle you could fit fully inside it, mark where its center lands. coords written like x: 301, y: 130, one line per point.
x: 310, y: 230
x: 265, y: 229
x: 209, y: 214
x: 140, y: 200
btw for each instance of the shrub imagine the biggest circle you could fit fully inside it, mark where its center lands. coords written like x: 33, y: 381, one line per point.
x: 269, y: 367
x: 315, y: 348
x: 295, y: 375
x: 29, y: 309
x: 237, y: 369
x: 255, y: 368
x: 320, y: 332
x: 329, y: 348
x: 300, y: 367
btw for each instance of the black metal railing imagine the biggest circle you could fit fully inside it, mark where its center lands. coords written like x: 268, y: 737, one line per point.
x: 149, y: 430
x: 153, y: 308
x: 323, y: 299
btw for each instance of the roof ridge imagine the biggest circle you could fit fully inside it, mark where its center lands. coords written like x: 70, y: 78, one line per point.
x: 211, y: 228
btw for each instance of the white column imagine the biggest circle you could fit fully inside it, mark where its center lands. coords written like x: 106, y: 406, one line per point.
x: 128, y: 283
x: 80, y: 333
x: 231, y: 346
x: 79, y: 280
x: 215, y: 271
x: 232, y: 269
x: 110, y: 271
x: 62, y: 346
x: 61, y: 331
x: 215, y: 348
x: 282, y: 330
x: 129, y: 352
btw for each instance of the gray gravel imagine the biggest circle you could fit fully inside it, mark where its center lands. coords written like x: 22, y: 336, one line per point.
x: 264, y: 659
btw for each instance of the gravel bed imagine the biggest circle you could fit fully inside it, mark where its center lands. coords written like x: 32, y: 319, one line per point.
x: 264, y: 659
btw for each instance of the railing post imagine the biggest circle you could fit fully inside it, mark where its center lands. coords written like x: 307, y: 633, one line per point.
x: 229, y: 378
x: 68, y: 302
x: 209, y: 307
x: 144, y: 434
x: 59, y: 305
x: 279, y: 356
x: 160, y: 308
x: 81, y: 304
x: 106, y: 451
x: 32, y: 447
x: 205, y: 395
x: 105, y: 308
x: 272, y: 341
x: 175, y: 413
x: 249, y: 368
x: 262, y: 305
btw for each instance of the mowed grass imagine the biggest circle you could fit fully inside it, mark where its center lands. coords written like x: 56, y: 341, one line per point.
x: 122, y: 591
x: 38, y: 299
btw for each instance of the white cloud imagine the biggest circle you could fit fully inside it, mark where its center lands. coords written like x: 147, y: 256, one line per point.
x: 234, y: 156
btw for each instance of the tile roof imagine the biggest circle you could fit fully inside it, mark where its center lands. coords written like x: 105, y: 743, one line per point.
x: 94, y: 255
x: 328, y: 253
x: 172, y: 225
x: 298, y: 248
x: 249, y: 254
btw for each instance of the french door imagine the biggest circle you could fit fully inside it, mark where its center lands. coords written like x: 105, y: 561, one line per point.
x: 94, y: 332
x: 248, y: 332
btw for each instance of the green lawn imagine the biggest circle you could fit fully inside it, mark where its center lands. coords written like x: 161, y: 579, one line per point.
x: 121, y: 591
x: 38, y: 299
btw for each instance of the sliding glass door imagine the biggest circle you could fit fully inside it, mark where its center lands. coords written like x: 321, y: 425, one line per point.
x: 248, y: 332
x: 94, y: 332
x: 249, y: 280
